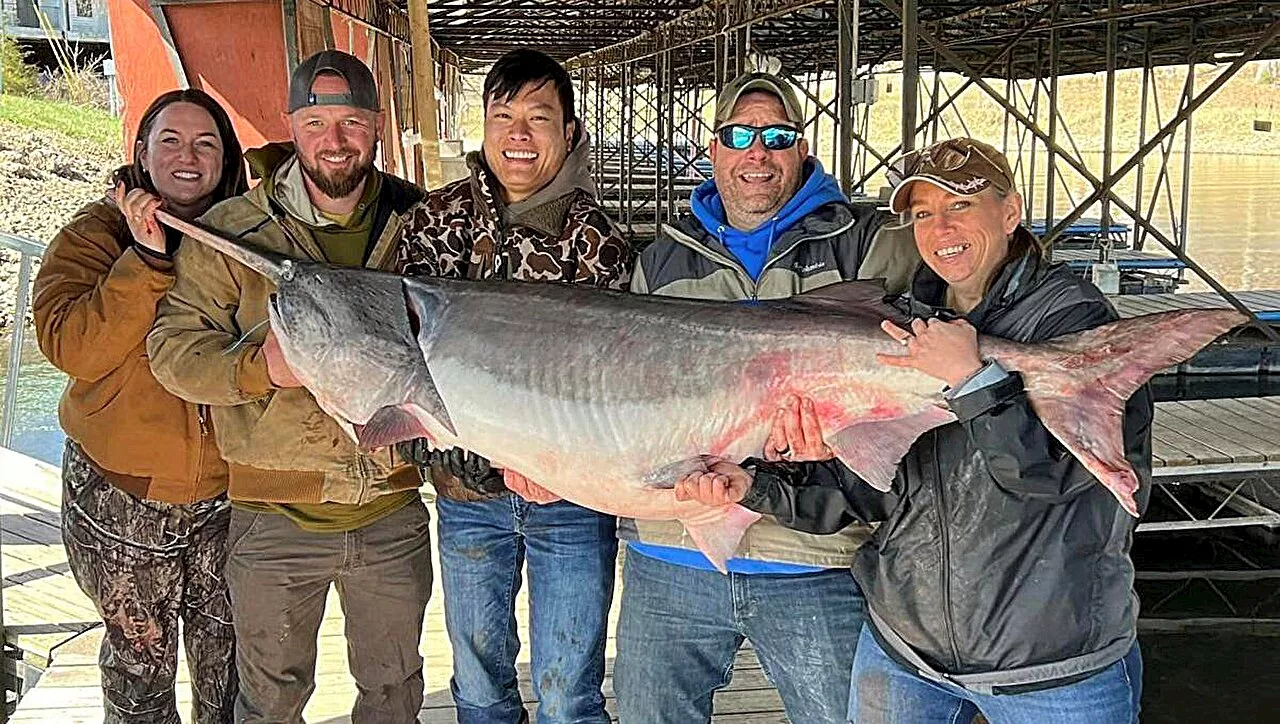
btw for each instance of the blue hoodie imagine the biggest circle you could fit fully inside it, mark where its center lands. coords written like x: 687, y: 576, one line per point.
x: 752, y: 247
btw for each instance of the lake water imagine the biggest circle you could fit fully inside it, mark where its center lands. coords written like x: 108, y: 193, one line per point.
x: 1234, y: 234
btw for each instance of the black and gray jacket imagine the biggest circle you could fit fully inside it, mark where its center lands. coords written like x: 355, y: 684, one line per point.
x: 1001, y: 564
x: 836, y: 242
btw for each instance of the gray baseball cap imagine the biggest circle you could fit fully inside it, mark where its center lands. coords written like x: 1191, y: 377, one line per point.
x: 758, y: 81
x: 362, y: 90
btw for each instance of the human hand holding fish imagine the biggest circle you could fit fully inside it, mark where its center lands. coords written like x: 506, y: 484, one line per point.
x: 796, y: 435
x: 723, y: 483
x: 277, y: 369
x: 945, y: 350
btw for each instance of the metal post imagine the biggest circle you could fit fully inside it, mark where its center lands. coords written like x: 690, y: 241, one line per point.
x: 1108, y: 132
x: 846, y: 69
x: 15, y: 352
x: 583, y: 104
x: 659, y: 86
x: 1030, y: 202
x: 668, y: 84
x: 1139, y: 232
x: 1051, y: 168
x: 910, y: 75
x: 815, y: 94
x: 627, y: 80
x: 934, y: 99
x: 1009, y: 96
x: 1186, y: 151
x: 599, y: 122
x: 721, y: 61
x: 741, y: 40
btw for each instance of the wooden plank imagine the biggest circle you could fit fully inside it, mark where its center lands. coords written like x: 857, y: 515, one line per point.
x: 1182, y: 450
x: 1204, y: 429
x: 1262, y: 436
x: 1258, y: 300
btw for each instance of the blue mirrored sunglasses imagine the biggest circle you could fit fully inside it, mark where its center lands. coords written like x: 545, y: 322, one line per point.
x: 775, y: 138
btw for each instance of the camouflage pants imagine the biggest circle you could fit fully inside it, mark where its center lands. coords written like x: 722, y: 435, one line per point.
x: 146, y: 565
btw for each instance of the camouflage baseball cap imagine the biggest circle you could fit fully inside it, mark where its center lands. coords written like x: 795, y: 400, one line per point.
x: 362, y: 90
x: 758, y: 81
x: 961, y: 166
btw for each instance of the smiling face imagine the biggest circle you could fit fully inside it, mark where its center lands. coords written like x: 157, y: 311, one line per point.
x: 526, y: 140
x: 335, y: 144
x: 754, y: 184
x: 183, y: 156
x: 964, y: 239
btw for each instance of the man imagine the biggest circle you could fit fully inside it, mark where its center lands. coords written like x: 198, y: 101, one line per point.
x: 309, y: 509
x: 527, y: 211
x: 769, y: 224
x: 991, y: 523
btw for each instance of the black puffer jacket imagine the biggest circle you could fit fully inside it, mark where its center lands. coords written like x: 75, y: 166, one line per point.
x: 1002, y: 564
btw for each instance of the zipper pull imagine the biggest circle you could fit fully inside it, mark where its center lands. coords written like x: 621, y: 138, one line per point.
x: 200, y: 412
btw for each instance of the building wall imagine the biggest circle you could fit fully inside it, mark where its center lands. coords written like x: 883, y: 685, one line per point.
x: 82, y: 21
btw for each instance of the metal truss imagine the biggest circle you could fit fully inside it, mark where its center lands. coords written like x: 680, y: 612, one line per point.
x: 1229, y: 498
x: 654, y: 66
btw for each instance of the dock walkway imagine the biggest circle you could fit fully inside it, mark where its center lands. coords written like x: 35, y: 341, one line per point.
x: 1229, y: 444
x: 1264, y: 302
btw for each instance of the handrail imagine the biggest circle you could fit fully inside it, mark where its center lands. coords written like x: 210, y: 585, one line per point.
x: 28, y: 249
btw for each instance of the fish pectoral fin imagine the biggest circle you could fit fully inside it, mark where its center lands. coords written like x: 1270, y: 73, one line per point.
x: 665, y: 477
x: 427, y: 397
x: 718, y: 535
x: 389, y: 426
x: 874, y: 448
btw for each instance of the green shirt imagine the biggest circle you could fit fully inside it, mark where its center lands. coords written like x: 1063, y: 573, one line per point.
x: 334, y: 517
x: 346, y: 242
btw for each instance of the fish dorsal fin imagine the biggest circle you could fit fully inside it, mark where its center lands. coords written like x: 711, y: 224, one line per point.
x: 855, y: 292
x: 860, y: 297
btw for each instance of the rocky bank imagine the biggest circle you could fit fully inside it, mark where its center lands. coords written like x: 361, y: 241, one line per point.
x: 44, y: 178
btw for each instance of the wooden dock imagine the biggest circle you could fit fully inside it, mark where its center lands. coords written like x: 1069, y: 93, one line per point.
x: 1225, y: 443
x: 57, y: 627
x: 1264, y: 302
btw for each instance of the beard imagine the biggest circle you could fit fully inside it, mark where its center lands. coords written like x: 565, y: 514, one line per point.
x: 341, y: 183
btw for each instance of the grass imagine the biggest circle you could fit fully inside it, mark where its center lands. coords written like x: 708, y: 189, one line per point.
x: 69, y: 120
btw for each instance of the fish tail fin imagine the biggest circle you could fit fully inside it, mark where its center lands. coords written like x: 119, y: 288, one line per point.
x: 718, y: 536
x: 1078, y: 384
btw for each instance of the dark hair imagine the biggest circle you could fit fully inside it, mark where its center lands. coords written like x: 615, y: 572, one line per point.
x: 520, y: 67
x: 232, y: 182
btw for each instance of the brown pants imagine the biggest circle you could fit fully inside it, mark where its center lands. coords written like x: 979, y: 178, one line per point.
x: 279, y: 575
x: 146, y: 565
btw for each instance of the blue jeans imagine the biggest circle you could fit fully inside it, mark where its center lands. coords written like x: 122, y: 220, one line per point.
x: 679, y: 629
x: 571, y: 554
x: 885, y: 692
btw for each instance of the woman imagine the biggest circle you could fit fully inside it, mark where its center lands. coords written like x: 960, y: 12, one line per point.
x: 999, y: 580
x: 144, y: 509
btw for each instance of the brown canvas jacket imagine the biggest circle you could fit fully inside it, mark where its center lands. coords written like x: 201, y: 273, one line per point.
x: 459, y: 231
x: 95, y: 301
x: 206, y: 347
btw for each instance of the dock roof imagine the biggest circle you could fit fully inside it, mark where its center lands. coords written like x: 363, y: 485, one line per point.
x: 802, y: 34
